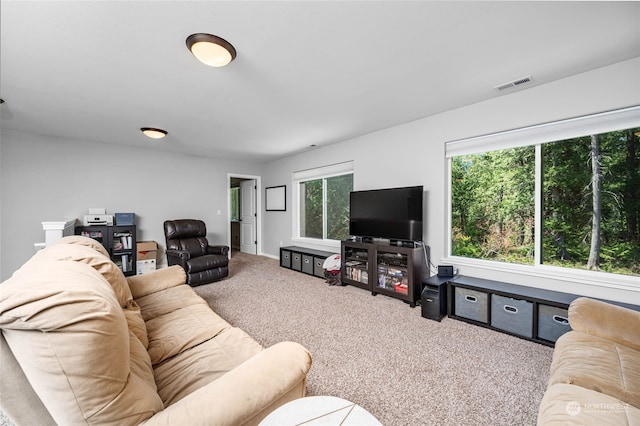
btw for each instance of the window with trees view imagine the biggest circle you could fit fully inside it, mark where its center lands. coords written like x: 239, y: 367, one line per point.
x: 235, y: 203
x: 585, y: 189
x: 323, y: 202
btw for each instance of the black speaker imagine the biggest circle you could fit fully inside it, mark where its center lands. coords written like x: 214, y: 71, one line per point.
x: 434, y: 299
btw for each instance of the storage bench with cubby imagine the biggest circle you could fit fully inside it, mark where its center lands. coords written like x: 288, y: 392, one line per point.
x: 306, y: 260
x: 531, y: 313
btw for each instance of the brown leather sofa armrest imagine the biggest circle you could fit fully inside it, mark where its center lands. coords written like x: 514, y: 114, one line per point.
x: 178, y: 256
x: 606, y: 320
x: 154, y: 281
x: 223, y: 250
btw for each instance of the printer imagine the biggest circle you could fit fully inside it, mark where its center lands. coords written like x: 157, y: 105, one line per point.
x: 97, y: 216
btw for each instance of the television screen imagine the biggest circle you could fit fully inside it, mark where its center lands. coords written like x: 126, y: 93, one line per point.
x: 394, y: 213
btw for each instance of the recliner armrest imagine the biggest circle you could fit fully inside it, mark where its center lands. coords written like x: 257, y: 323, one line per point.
x: 605, y: 320
x: 245, y: 394
x: 177, y: 257
x: 218, y: 249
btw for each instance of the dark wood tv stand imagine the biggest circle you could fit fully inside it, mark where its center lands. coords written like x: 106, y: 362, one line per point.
x: 382, y: 268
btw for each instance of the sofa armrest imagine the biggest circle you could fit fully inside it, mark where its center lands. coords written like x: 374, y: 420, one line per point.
x: 223, y: 250
x: 605, y: 320
x: 154, y: 281
x: 246, y: 394
x: 17, y: 398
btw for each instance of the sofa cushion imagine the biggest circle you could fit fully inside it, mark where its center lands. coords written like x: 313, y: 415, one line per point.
x: 566, y: 405
x: 177, y: 319
x: 89, y: 251
x: 67, y: 330
x: 193, y: 369
x: 72, y: 248
x: 83, y: 241
x: 598, y: 364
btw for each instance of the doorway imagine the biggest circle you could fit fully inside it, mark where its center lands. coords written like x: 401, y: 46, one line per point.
x: 244, y: 214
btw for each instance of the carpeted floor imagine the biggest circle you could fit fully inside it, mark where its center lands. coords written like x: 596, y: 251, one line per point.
x: 381, y: 354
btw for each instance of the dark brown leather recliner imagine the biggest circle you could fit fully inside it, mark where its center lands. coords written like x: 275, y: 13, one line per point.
x: 188, y: 247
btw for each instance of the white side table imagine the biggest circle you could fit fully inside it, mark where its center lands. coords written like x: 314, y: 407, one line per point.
x: 320, y: 410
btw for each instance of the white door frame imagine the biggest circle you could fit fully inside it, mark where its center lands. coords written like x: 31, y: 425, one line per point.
x: 258, y: 180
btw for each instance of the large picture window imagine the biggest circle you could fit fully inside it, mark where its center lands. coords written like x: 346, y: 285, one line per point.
x: 563, y: 194
x: 323, y: 202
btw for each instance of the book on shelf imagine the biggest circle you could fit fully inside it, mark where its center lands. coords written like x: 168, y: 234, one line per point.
x: 123, y: 243
x: 357, y: 274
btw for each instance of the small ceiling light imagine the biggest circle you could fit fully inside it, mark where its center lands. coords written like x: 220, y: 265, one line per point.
x: 211, y: 50
x: 153, y: 133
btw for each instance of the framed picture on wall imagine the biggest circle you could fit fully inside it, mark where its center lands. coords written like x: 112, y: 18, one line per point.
x: 276, y: 198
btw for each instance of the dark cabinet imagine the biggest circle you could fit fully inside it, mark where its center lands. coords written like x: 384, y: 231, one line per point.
x: 357, y: 265
x: 119, y: 241
x: 384, y: 269
x: 433, y: 300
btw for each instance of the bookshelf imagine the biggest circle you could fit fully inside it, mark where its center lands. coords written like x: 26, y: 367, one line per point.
x: 120, y: 242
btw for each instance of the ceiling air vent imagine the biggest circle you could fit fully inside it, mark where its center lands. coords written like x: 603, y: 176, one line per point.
x: 514, y: 83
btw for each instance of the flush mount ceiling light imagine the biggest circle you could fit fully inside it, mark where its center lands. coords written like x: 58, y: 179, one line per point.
x: 153, y: 133
x: 211, y: 50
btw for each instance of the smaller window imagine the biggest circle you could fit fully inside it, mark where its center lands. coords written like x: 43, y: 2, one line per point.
x: 235, y: 203
x: 323, y: 202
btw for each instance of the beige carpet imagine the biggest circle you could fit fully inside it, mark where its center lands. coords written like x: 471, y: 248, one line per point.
x: 381, y: 354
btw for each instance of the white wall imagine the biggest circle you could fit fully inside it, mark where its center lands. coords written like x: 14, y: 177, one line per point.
x: 49, y: 179
x: 413, y: 154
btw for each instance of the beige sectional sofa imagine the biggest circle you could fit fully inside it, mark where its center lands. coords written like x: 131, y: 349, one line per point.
x: 82, y: 344
x: 595, y: 372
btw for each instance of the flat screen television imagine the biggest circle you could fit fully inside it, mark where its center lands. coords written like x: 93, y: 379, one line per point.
x: 393, y: 213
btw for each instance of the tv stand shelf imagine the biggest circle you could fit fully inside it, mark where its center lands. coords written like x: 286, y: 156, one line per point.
x: 394, y: 271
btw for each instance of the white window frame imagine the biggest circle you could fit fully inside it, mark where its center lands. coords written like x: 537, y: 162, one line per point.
x: 297, y: 177
x: 538, y: 135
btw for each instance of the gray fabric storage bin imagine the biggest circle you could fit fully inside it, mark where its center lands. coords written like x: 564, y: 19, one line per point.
x: 307, y: 264
x: 318, y: 270
x: 471, y: 304
x: 513, y: 315
x: 553, y: 322
x: 296, y: 261
x: 285, y: 259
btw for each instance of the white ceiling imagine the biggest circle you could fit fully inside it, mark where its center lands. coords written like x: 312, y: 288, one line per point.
x: 307, y: 72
